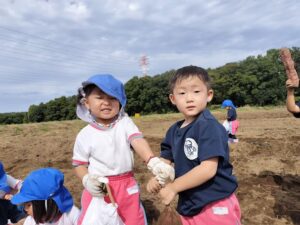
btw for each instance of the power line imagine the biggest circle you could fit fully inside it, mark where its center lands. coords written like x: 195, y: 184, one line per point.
x: 92, y: 55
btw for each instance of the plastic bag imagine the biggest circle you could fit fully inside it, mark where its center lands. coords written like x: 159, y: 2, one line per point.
x: 101, y: 213
x: 226, y: 125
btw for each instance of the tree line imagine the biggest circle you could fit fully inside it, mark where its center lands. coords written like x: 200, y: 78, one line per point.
x: 255, y: 81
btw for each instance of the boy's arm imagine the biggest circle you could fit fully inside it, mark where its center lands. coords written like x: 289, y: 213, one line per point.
x: 195, y: 177
x: 290, y: 100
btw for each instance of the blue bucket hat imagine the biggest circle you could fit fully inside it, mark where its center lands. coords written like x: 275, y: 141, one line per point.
x: 227, y: 103
x: 44, y: 184
x: 3, y: 180
x: 108, y: 84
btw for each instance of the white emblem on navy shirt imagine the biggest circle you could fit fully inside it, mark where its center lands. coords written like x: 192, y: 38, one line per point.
x: 190, y: 148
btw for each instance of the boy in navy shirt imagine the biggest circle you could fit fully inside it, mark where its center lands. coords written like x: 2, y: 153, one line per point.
x: 198, y: 147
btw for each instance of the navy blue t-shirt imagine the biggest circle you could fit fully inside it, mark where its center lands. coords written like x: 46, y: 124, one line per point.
x: 297, y: 115
x: 187, y: 147
x: 231, y: 114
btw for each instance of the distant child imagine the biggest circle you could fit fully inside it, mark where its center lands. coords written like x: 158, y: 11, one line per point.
x: 46, y: 200
x: 8, y: 211
x: 291, y: 105
x: 199, y: 149
x: 103, y: 149
x: 231, y: 120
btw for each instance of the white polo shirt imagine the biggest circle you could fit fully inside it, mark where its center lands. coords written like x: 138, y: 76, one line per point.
x: 107, y: 151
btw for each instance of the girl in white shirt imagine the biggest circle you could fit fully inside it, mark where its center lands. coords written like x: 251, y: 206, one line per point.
x: 102, y: 150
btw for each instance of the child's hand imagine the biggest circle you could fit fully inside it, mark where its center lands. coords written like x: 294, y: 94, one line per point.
x: 167, y: 194
x: 153, y: 185
x: 291, y: 84
x: 95, y: 184
x: 162, y: 171
x: 8, y: 196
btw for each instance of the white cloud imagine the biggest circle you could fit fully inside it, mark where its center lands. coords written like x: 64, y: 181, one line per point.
x: 77, y: 11
x: 49, y: 47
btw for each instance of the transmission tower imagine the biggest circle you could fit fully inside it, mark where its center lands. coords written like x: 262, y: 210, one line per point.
x: 144, y: 62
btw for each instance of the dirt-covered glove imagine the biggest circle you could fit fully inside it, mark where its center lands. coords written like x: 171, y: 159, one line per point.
x: 161, y: 170
x: 289, y: 66
x: 95, y: 184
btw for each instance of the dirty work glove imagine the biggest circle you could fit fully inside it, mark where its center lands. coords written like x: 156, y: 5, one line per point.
x: 162, y: 171
x: 95, y: 184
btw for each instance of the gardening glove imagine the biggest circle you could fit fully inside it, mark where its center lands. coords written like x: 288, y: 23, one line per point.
x: 95, y: 184
x: 162, y: 171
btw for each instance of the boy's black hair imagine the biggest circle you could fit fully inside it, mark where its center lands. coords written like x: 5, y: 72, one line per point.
x: 41, y: 215
x: 189, y: 71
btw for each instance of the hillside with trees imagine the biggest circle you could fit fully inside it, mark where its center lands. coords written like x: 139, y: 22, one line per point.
x: 255, y: 81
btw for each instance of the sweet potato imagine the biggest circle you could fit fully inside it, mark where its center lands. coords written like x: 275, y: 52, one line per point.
x: 169, y: 216
x: 289, y: 66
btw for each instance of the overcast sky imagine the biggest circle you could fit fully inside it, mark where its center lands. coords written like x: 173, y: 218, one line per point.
x: 47, y: 48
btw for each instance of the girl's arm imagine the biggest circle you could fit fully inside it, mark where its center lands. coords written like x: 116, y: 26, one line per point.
x: 80, y: 171
x: 142, y: 148
x: 161, y: 169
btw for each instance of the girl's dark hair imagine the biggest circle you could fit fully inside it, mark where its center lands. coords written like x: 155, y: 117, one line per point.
x: 41, y: 215
x: 87, y: 90
x: 190, y: 71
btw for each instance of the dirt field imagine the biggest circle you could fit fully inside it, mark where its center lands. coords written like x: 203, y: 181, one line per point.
x: 266, y: 160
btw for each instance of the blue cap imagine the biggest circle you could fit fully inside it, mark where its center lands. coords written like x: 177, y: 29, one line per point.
x: 227, y: 103
x: 44, y: 184
x: 3, y: 179
x: 110, y: 85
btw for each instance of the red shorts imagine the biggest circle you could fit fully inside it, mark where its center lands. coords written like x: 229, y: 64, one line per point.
x: 126, y: 193
x: 223, y: 212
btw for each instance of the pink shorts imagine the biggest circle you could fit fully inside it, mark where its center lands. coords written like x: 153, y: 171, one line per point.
x: 126, y: 193
x: 234, y: 125
x: 223, y: 212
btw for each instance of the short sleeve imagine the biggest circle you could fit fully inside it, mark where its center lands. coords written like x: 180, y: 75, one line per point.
x: 211, y: 141
x: 132, y: 131
x: 166, y: 147
x: 80, y: 152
